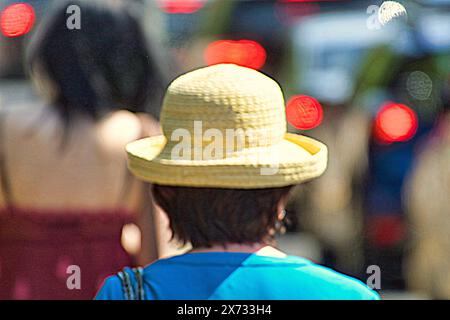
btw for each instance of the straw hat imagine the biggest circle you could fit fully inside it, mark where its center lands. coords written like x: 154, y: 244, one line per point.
x: 224, y: 126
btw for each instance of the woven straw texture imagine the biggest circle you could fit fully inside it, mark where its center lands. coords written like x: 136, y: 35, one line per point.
x: 224, y: 126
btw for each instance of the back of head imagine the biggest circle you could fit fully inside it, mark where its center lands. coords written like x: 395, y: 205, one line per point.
x: 103, y: 65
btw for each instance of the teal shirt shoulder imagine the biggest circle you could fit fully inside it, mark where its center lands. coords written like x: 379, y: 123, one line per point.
x: 240, y: 276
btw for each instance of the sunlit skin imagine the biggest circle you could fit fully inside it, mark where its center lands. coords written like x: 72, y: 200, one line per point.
x: 17, y: 20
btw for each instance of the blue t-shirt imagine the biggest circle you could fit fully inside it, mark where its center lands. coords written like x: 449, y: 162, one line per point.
x: 240, y: 276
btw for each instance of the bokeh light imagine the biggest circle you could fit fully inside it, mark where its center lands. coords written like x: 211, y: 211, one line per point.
x: 419, y: 85
x: 289, y: 12
x: 304, y: 112
x: 246, y: 53
x: 395, y: 123
x: 17, y: 20
x: 180, y: 6
x: 386, y: 231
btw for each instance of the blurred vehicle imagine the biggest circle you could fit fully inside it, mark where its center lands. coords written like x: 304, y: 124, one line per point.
x: 407, y: 73
x: 328, y: 50
x: 425, y: 193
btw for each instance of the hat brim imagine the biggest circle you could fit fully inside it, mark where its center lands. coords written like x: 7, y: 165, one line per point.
x: 294, y: 160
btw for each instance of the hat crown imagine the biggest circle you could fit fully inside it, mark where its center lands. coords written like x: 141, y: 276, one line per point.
x: 199, y: 110
x: 224, y: 98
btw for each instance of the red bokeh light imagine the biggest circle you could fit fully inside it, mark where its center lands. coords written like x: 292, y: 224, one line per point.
x: 246, y: 53
x: 395, y: 123
x: 386, y: 231
x: 289, y: 13
x: 304, y: 112
x: 17, y: 20
x: 180, y: 6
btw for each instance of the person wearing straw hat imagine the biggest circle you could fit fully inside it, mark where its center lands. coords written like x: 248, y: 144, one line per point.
x: 222, y: 171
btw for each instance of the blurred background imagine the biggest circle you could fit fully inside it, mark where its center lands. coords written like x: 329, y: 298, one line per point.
x: 372, y: 82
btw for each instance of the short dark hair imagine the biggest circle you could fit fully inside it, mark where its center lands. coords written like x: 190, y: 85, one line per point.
x: 107, y: 65
x: 208, y: 216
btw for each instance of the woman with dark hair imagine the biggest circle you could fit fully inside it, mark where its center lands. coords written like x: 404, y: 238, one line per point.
x: 66, y: 197
x: 222, y: 172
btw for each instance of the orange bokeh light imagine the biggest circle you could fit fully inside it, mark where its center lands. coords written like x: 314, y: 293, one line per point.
x: 17, y: 20
x: 395, y: 123
x: 246, y: 53
x: 304, y: 112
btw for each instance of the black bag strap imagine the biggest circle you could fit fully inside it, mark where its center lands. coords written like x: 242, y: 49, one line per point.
x: 129, y: 290
x: 139, y: 274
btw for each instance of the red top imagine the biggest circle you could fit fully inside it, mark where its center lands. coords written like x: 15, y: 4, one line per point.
x: 36, y: 249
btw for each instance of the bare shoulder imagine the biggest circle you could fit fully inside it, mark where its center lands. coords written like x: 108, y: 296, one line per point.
x: 121, y: 127
x: 16, y: 123
x: 22, y: 113
x: 20, y: 119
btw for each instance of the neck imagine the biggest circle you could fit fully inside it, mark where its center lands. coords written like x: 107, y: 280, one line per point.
x: 258, y: 248
x: 232, y: 247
